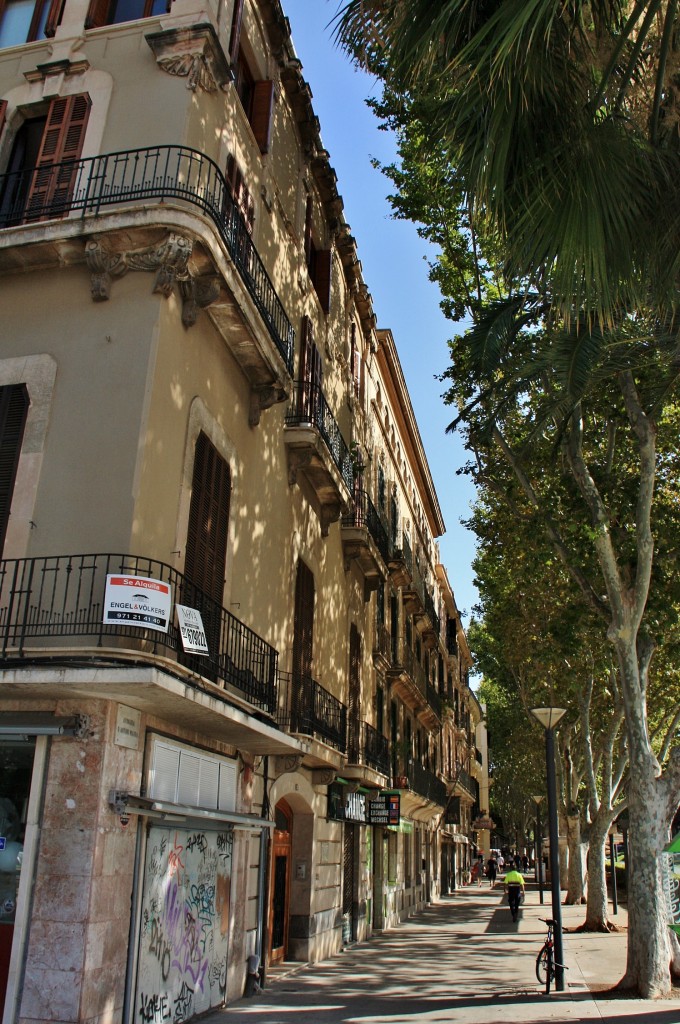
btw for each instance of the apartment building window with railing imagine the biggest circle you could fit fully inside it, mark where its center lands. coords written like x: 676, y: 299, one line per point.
x: 256, y: 95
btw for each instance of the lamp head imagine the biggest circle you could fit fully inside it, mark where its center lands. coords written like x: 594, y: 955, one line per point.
x: 548, y: 717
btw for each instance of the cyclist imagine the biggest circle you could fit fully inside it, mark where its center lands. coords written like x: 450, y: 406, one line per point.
x: 514, y: 886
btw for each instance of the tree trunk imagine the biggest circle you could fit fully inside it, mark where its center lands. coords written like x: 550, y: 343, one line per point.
x: 576, y: 869
x: 597, y: 915
x: 649, y: 955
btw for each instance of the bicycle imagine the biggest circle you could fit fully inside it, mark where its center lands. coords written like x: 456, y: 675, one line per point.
x: 545, y: 961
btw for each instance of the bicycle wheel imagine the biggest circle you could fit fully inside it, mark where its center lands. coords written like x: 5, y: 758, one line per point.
x: 543, y: 960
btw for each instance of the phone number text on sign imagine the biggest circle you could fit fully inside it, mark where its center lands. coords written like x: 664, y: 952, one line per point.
x: 191, y: 629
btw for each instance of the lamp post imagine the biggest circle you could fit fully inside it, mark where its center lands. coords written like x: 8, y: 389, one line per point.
x: 538, y: 800
x: 549, y: 718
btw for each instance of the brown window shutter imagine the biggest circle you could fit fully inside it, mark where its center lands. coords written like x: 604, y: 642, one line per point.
x: 62, y: 141
x: 235, y: 37
x: 14, y: 404
x: 97, y: 14
x: 323, y: 264
x: 303, y: 629
x: 308, y: 230
x: 3, y: 114
x: 261, y: 113
x: 53, y: 17
x: 207, y: 534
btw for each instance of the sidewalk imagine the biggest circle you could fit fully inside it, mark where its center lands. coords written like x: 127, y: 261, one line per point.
x: 461, y: 960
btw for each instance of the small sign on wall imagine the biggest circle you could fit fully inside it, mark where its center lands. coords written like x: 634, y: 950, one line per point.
x: 128, y: 727
x: 137, y: 601
x: 191, y: 629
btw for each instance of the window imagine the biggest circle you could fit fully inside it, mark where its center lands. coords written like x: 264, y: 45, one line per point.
x: 24, y: 21
x: 256, y: 95
x: 41, y: 172
x: 182, y: 775
x: 113, y: 12
x: 13, y: 410
x: 311, y: 374
x: 319, y: 261
x: 240, y: 193
x: 355, y: 363
x: 303, y: 644
x: 206, y: 551
x: 354, y: 689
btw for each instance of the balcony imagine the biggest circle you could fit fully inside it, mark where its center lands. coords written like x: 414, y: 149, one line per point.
x: 425, y: 783
x: 466, y: 783
x: 52, y: 612
x: 308, y: 709
x: 382, y: 646
x: 365, y: 541
x: 368, y: 755
x: 407, y: 677
x: 155, y: 188
x: 317, y: 452
x: 400, y: 563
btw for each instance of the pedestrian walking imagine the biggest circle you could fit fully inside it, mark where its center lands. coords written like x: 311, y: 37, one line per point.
x: 491, y: 871
x: 514, y: 886
x: 478, y: 871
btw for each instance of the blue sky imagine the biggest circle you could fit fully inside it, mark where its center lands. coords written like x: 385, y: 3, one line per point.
x: 394, y: 261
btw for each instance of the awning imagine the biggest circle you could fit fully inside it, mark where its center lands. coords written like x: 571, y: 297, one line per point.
x: 147, y: 807
x: 15, y: 724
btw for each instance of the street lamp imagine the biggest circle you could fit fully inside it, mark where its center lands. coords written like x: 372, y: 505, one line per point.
x: 549, y: 718
x: 538, y: 800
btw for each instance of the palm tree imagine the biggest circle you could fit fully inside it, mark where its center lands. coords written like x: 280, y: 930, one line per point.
x: 562, y: 120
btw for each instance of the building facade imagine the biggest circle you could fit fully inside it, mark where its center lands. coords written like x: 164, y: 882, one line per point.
x: 235, y: 717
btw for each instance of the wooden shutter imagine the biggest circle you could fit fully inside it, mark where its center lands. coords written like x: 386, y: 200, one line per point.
x: 53, y: 17
x: 323, y: 264
x: 62, y: 142
x: 97, y: 13
x: 3, y: 114
x: 303, y: 628
x: 354, y: 694
x: 261, y: 113
x: 308, y: 230
x: 206, y: 551
x: 13, y: 410
x: 235, y: 37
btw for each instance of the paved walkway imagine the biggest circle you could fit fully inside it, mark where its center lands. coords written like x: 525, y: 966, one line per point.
x: 462, y: 961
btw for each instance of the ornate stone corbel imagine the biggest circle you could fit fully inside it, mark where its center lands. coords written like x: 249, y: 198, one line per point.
x: 193, y: 52
x: 287, y: 763
x: 262, y: 398
x: 298, y: 458
x: 323, y: 776
x: 330, y: 512
x: 169, y: 259
x: 197, y: 293
x: 103, y: 266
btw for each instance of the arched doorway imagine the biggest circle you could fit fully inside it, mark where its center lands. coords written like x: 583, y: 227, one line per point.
x: 280, y: 875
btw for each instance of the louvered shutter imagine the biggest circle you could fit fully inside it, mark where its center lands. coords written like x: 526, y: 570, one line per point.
x: 235, y: 37
x: 3, y: 114
x: 97, y: 14
x: 206, y: 551
x: 13, y: 410
x: 62, y: 142
x: 53, y: 18
x: 261, y: 113
x: 354, y: 693
x: 308, y: 230
x: 323, y: 264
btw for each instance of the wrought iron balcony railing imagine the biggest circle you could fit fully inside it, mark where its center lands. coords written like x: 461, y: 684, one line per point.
x: 376, y: 749
x: 306, y: 707
x: 431, y: 611
x: 46, y: 601
x: 426, y: 783
x: 434, y: 700
x: 142, y: 175
x: 310, y: 408
x: 382, y: 643
x: 466, y: 781
x: 364, y: 514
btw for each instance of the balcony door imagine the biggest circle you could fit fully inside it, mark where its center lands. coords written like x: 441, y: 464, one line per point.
x: 354, y: 691
x: 13, y: 411
x: 207, y: 535
x: 42, y: 169
x: 311, y: 374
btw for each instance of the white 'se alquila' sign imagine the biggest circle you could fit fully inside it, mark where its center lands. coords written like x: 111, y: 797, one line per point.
x: 191, y: 629
x: 137, y: 601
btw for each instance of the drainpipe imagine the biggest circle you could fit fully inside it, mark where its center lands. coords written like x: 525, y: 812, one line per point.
x: 262, y: 875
